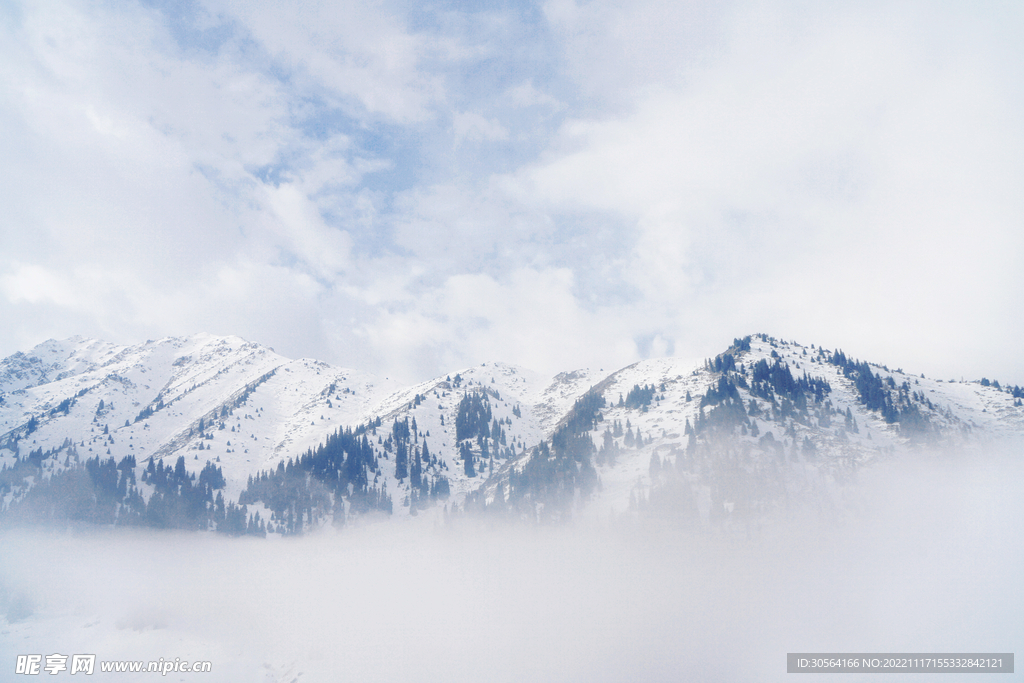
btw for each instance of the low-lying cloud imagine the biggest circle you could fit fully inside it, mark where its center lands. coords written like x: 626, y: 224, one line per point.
x: 921, y: 555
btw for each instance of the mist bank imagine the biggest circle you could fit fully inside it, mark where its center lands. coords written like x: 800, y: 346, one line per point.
x: 923, y: 554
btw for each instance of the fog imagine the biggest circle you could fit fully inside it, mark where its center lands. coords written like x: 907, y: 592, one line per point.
x: 923, y: 554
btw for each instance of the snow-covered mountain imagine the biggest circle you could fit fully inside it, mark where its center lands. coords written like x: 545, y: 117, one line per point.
x: 763, y: 424
x: 150, y: 400
x: 302, y: 442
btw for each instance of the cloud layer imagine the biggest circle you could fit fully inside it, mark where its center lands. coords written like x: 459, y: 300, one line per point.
x: 921, y: 556
x: 409, y: 189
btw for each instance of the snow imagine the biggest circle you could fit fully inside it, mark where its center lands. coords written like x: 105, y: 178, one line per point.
x: 279, y: 408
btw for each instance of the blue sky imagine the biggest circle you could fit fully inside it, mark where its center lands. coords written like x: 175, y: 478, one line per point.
x: 409, y: 188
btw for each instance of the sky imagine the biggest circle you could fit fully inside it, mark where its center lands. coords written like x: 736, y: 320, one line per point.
x: 409, y: 188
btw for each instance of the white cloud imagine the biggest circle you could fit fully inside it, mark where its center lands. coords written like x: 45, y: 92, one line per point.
x: 353, y: 50
x: 827, y: 179
x: 475, y: 128
x: 616, y: 50
x: 34, y: 284
x: 529, y: 316
x: 303, y: 234
x: 412, y: 190
x: 527, y: 95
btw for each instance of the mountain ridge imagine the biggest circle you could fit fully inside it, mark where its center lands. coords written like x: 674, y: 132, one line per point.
x: 492, y: 435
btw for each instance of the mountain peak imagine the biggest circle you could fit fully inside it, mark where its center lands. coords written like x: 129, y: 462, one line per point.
x: 764, y: 410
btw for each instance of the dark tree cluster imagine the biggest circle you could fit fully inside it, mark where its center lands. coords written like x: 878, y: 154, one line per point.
x: 149, y: 410
x: 553, y: 475
x: 895, y: 404
x: 725, y: 362
x: 235, y: 520
x: 243, y: 397
x: 302, y: 491
x: 727, y: 410
x: 585, y: 414
x: 639, y: 396
x: 722, y: 391
x: 414, y: 460
x: 476, y: 424
x: 1015, y: 391
x: 63, y: 407
x: 741, y: 344
x: 717, y: 479
x: 181, y: 502
x: 474, y: 416
x: 609, y: 450
x: 102, y: 491
x: 776, y: 379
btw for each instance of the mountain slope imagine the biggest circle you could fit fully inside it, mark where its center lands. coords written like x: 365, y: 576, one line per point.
x: 245, y: 410
x: 765, y: 422
x: 301, y: 442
